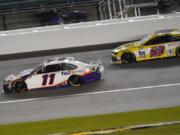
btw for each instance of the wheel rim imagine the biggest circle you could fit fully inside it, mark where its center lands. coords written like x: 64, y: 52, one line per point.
x: 19, y: 86
x: 75, y: 81
x: 127, y: 58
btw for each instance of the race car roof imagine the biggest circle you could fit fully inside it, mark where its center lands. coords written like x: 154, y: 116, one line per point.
x: 167, y: 31
x: 57, y: 60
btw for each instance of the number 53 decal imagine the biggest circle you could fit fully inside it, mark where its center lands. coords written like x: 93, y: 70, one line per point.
x: 48, y: 79
x: 157, y: 51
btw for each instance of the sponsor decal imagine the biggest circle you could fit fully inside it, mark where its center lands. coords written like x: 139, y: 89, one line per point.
x: 66, y: 73
x: 142, y: 53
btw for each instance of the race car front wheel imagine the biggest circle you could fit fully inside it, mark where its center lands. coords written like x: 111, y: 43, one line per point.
x: 75, y: 81
x: 19, y: 86
x: 128, y: 58
x: 178, y: 51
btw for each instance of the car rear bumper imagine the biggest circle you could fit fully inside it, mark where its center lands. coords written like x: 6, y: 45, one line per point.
x: 94, y: 76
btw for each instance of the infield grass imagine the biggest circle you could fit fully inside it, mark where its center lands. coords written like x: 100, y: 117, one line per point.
x: 97, y: 122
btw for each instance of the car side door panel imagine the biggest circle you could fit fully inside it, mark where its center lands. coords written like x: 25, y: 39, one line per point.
x: 156, y: 47
x: 44, y: 80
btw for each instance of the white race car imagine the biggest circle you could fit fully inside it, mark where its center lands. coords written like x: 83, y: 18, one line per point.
x: 54, y: 73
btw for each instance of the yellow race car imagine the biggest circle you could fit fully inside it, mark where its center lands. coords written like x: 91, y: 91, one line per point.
x: 160, y: 44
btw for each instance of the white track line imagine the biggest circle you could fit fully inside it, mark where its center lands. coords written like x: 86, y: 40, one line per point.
x: 130, y: 89
x: 94, y: 93
x: 20, y: 100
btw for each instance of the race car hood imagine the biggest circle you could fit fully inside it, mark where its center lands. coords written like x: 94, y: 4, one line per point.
x: 127, y: 46
x: 18, y: 75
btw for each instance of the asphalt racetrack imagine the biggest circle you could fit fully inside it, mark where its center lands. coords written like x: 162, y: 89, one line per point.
x: 141, y: 85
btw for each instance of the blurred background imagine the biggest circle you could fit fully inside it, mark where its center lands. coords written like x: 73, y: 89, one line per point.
x: 17, y: 14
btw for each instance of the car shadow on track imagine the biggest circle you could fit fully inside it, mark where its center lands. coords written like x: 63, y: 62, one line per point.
x: 55, y: 93
x: 151, y: 64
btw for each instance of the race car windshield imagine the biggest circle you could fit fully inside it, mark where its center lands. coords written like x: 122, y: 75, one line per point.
x: 145, y: 38
x: 37, y: 69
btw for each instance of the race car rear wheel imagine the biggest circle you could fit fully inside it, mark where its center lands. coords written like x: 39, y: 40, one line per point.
x: 75, y: 81
x: 19, y: 86
x: 128, y: 58
x: 178, y: 51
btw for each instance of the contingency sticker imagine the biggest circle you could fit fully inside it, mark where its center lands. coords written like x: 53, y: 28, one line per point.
x: 142, y: 53
x: 170, y: 52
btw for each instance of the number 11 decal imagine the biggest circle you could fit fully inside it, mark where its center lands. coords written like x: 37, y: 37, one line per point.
x: 46, y: 77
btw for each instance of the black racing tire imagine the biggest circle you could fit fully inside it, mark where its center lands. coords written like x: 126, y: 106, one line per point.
x: 19, y: 86
x: 128, y: 58
x: 75, y: 81
x: 178, y: 51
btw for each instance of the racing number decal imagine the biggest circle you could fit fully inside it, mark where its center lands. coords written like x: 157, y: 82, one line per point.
x: 157, y: 51
x: 46, y: 77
